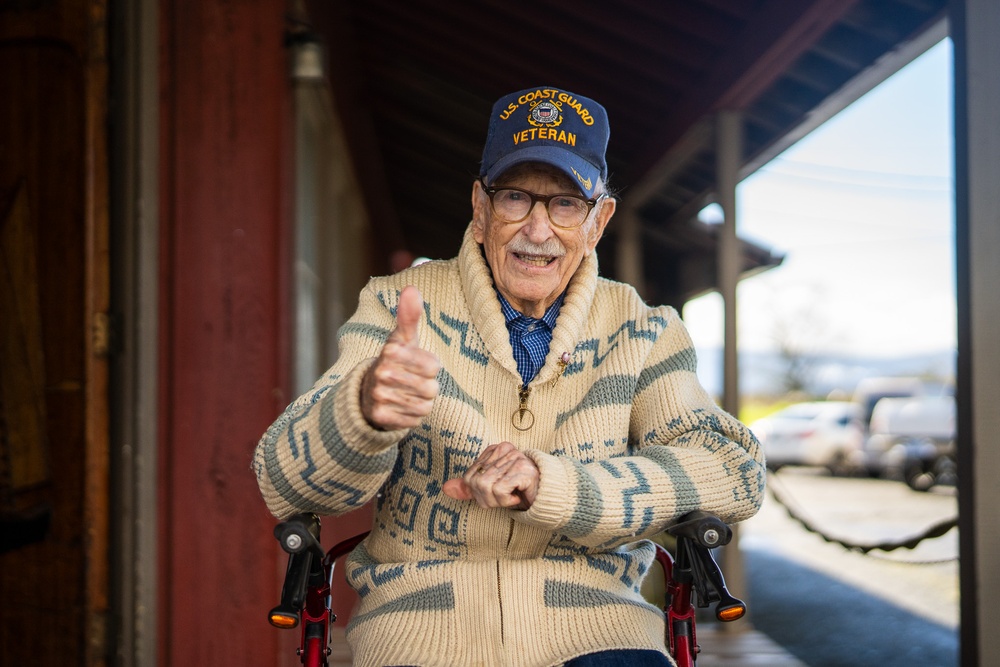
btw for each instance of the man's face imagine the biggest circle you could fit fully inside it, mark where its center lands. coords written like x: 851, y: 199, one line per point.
x: 533, y: 260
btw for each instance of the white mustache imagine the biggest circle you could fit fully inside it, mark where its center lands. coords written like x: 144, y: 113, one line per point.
x: 522, y: 246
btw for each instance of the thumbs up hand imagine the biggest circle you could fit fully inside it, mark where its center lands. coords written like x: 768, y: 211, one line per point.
x: 398, y: 390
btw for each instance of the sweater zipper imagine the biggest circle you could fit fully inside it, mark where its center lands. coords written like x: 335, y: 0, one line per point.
x: 523, y: 418
x: 510, y: 536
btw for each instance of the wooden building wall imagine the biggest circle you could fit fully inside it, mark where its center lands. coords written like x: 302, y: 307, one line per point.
x: 224, y: 220
x: 54, y: 320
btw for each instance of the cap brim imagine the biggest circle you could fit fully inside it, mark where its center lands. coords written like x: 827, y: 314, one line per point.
x: 581, y: 172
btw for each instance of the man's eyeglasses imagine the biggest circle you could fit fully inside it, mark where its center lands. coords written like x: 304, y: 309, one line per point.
x: 514, y: 205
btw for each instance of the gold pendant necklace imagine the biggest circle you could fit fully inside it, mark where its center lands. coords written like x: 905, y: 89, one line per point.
x: 523, y: 418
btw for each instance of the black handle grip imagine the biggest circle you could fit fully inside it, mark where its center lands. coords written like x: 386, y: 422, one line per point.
x: 697, y: 533
x: 706, y: 529
x: 299, y: 533
x: 299, y: 537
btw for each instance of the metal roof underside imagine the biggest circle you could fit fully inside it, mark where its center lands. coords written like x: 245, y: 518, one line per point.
x: 414, y: 82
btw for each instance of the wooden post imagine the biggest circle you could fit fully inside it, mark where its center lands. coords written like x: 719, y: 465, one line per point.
x: 225, y: 142
x: 97, y: 307
x: 729, y: 153
x: 135, y: 229
x: 729, y: 149
x: 628, y: 253
x: 977, y: 171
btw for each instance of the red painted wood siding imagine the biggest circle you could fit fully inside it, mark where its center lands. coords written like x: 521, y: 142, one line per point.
x: 225, y: 230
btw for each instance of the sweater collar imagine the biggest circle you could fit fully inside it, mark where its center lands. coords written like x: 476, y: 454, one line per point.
x: 487, y: 317
x: 510, y: 315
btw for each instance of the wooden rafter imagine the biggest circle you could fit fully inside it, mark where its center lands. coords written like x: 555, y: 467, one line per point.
x: 776, y: 35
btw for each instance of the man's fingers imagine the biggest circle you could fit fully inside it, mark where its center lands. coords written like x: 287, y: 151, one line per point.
x: 494, y: 453
x: 393, y: 415
x: 501, y: 476
x: 401, y: 365
x: 457, y: 489
x: 415, y: 374
x: 411, y: 305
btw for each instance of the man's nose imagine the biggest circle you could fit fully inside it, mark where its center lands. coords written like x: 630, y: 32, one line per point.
x: 538, y: 225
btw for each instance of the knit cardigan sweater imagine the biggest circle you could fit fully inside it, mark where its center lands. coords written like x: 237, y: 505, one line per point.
x: 624, y: 436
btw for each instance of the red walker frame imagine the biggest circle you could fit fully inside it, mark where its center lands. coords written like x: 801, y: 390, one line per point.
x: 692, y: 577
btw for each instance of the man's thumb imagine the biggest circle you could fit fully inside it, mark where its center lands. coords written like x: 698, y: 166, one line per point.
x: 411, y: 304
x: 457, y: 489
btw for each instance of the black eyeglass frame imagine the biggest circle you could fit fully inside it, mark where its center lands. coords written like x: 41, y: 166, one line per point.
x: 535, y: 198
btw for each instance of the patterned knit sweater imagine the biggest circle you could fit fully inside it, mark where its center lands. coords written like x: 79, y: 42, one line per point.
x: 624, y: 436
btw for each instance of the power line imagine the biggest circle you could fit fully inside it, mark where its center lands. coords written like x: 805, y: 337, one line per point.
x: 849, y: 177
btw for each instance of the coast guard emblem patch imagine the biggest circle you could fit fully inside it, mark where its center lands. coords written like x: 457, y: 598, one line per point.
x: 545, y: 114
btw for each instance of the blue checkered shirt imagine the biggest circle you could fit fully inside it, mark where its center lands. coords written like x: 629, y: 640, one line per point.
x: 530, y: 337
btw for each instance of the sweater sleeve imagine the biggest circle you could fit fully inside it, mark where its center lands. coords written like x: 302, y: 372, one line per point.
x: 685, y: 454
x: 321, y: 455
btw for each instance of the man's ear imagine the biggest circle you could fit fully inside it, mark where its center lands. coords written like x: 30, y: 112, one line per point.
x: 605, y: 210
x: 479, y: 203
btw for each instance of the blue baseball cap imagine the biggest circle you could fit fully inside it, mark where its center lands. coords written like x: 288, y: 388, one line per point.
x: 550, y: 125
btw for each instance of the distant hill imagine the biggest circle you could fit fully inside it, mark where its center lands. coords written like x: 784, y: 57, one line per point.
x: 762, y: 373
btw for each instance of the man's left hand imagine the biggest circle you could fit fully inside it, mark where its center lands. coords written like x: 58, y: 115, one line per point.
x: 502, y: 476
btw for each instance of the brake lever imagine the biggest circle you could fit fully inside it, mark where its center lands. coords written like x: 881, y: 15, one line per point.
x: 698, y: 533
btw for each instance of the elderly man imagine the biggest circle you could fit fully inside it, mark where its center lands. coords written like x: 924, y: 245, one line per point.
x: 522, y: 423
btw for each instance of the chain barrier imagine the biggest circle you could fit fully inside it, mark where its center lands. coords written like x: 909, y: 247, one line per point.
x: 934, y: 531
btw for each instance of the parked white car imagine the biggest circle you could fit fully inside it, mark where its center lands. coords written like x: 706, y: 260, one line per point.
x: 818, y: 433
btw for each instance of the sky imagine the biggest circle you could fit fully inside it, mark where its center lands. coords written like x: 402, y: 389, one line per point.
x: 862, y: 209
